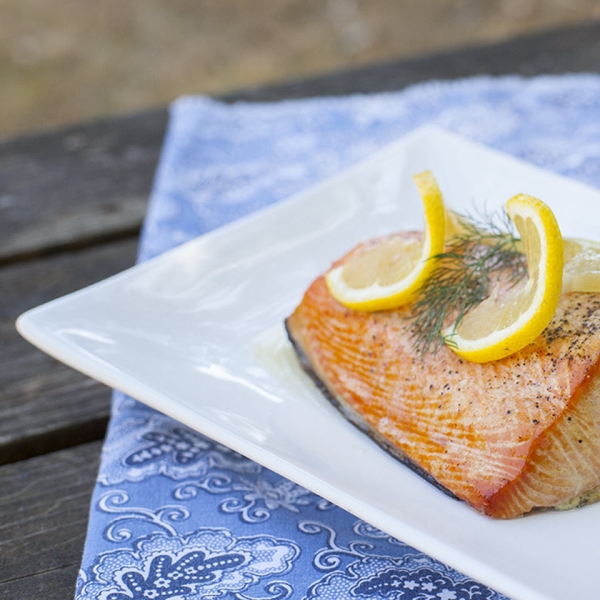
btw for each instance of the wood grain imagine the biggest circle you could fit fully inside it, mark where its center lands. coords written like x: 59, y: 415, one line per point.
x: 570, y: 49
x: 44, y: 405
x: 79, y: 186
x: 44, y: 505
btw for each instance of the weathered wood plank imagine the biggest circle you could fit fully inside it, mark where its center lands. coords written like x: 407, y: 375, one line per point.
x: 77, y: 186
x: 44, y: 505
x: 570, y: 49
x: 56, y: 584
x: 44, y: 405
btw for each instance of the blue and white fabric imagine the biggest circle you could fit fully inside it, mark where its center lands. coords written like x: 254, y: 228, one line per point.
x: 177, y: 516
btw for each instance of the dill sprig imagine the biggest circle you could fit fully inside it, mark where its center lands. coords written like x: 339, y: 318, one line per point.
x: 486, y: 245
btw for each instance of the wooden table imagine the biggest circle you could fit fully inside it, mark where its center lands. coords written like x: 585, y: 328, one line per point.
x: 71, y: 204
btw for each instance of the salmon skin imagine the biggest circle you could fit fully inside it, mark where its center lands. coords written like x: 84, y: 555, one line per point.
x: 507, y: 437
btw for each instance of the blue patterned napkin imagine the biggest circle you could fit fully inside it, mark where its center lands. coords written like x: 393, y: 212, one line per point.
x: 176, y: 516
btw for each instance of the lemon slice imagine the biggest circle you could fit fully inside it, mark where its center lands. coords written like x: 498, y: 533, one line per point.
x: 390, y: 274
x: 499, y: 327
x: 581, y: 272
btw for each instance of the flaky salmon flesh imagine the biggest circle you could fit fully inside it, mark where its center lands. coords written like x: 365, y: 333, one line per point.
x: 508, y: 436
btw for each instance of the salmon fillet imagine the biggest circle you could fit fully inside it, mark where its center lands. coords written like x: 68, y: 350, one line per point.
x: 507, y: 437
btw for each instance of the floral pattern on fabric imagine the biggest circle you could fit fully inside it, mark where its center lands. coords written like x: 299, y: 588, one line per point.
x: 207, y: 563
x: 253, y: 499
x: 138, y: 448
x: 413, y: 577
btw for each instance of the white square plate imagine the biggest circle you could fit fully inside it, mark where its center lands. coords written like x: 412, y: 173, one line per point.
x: 197, y: 333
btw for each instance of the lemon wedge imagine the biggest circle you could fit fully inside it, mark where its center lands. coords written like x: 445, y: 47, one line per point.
x: 498, y: 326
x: 390, y: 274
x: 581, y: 272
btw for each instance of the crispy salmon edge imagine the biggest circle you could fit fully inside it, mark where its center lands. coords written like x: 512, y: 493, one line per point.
x: 590, y: 496
x: 354, y: 418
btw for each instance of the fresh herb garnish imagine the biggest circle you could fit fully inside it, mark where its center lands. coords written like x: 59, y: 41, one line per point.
x: 485, y: 246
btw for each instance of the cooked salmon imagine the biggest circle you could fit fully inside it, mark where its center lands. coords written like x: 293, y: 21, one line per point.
x: 508, y: 437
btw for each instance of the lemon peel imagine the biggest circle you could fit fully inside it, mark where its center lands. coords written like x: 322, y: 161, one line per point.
x: 391, y: 274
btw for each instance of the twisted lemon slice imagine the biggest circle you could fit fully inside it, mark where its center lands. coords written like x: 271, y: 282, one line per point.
x: 499, y: 327
x: 391, y: 274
